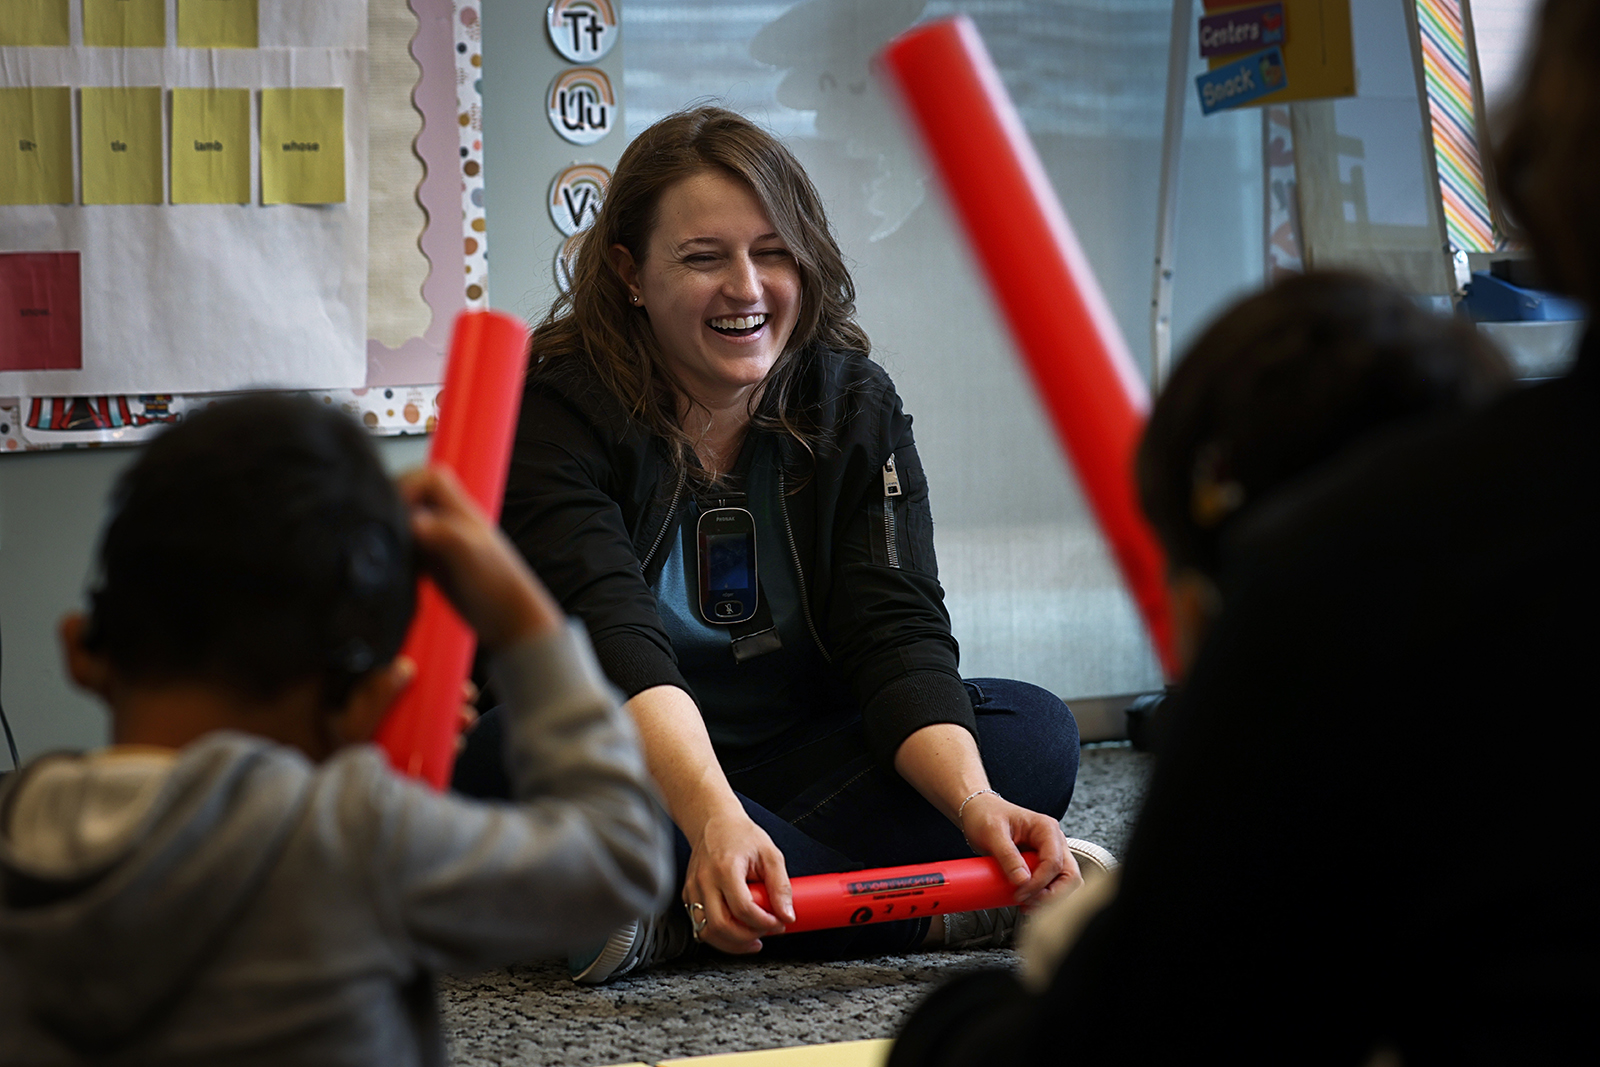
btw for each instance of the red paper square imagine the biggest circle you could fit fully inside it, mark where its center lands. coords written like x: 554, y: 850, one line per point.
x: 41, y: 311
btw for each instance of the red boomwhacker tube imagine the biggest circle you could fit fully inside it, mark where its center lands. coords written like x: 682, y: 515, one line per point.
x: 477, y: 419
x: 885, y: 894
x: 1042, y: 282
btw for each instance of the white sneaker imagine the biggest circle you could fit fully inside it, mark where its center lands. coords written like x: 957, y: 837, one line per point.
x: 990, y: 928
x: 633, y: 946
x: 1093, y: 861
x: 997, y: 927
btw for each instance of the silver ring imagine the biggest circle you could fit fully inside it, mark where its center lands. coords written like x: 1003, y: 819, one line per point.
x: 698, y: 922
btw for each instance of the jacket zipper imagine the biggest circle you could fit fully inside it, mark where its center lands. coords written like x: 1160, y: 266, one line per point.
x: 800, y: 577
x: 661, y: 534
x: 891, y: 489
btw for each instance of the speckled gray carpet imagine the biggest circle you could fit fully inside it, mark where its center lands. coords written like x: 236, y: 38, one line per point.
x: 534, y: 1017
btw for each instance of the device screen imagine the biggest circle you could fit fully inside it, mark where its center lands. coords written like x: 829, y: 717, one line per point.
x: 727, y: 543
x: 728, y: 562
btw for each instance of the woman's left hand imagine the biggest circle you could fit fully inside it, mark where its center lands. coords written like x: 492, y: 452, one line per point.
x: 996, y: 827
x: 941, y: 762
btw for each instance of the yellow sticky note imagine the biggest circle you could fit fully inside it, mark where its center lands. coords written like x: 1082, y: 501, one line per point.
x: 34, y: 23
x: 217, y: 24
x: 302, y: 146
x: 125, y: 23
x: 36, y: 145
x: 120, y: 145
x: 210, y: 146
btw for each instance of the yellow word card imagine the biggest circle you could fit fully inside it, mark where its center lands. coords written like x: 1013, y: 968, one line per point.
x: 302, y: 146
x: 35, y: 23
x: 870, y: 1053
x: 125, y: 23
x: 210, y: 146
x: 217, y: 24
x: 120, y: 146
x: 36, y: 145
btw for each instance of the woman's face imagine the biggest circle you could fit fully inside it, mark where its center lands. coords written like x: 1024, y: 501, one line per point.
x: 719, y: 284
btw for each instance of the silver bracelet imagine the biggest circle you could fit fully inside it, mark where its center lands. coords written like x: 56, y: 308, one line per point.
x: 964, y: 803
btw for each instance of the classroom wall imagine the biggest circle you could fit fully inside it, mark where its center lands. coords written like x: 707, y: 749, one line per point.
x: 51, y: 506
x: 1029, y: 583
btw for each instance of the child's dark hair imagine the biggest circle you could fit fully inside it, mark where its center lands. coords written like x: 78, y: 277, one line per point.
x: 1546, y: 162
x: 1283, y: 381
x: 255, y: 546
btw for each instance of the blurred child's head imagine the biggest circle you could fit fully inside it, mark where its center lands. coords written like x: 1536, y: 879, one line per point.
x: 1280, y: 383
x: 257, y: 546
x: 1551, y: 149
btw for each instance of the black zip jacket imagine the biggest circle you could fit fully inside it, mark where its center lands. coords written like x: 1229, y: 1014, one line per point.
x: 592, y: 497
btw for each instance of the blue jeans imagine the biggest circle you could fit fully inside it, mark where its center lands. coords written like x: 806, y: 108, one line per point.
x: 829, y: 807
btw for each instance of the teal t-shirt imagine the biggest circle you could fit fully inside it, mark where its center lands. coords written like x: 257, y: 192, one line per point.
x: 747, y: 703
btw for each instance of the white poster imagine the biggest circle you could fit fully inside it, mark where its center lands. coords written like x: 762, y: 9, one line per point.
x: 217, y: 277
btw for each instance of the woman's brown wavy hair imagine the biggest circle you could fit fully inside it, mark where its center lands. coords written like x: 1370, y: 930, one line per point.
x: 1548, y: 163
x: 595, y: 321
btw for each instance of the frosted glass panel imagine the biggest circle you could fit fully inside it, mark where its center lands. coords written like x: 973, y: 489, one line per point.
x: 1502, y: 29
x: 1031, y: 589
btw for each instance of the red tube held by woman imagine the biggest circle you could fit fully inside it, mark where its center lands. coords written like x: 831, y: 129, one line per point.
x: 885, y: 894
x: 1042, y: 283
x: 477, y: 419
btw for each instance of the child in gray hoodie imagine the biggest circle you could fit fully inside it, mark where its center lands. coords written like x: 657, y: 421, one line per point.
x: 239, y: 878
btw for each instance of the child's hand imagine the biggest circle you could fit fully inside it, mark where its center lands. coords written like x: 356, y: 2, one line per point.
x: 473, y: 563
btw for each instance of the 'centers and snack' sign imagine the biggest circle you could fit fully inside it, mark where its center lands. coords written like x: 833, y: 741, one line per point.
x: 1275, y: 52
x: 1248, y: 29
x: 582, y: 30
x: 582, y: 105
x: 1242, y: 81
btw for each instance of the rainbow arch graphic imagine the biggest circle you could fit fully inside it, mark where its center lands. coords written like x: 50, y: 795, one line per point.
x: 601, y: 9
x: 582, y: 105
x: 576, y: 194
x: 578, y: 79
x: 582, y: 173
x: 582, y: 30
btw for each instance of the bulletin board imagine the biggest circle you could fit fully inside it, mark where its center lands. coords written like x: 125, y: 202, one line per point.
x: 223, y: 195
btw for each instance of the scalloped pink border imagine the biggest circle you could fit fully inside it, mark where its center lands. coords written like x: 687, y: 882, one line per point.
x: 420, y: 360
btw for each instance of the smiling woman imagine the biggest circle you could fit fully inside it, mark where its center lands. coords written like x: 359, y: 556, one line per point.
x: 722, y: 292
x: 714, y: 477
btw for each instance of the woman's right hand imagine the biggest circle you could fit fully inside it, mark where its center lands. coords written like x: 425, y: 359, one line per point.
x: 730, y: 851
x: 726, y: 848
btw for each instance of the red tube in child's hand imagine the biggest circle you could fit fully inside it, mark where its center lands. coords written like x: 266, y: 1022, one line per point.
x: 886, y: 894
x: 1042, y: 282
x: 477, y: 419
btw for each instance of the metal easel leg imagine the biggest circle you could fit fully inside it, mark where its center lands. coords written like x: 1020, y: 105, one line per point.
x: 1167, y: 219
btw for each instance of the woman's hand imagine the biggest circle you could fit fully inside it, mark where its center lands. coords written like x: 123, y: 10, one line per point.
x: 727, y: 849
x: 941, y: 762
x: 730, y: 851
x: 996, y: 827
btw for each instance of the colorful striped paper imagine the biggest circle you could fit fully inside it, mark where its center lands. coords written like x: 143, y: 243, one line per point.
x: 1448, y: 74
